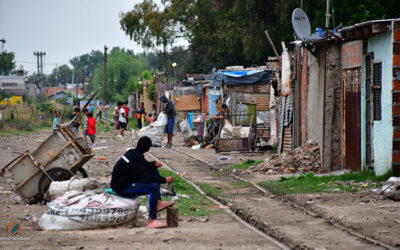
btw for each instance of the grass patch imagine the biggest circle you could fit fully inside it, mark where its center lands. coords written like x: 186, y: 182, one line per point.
x: 240, y: 184
x: 308, y: 183
x: 211, y: 190
x: 240, y: 166
x: 196, y: 205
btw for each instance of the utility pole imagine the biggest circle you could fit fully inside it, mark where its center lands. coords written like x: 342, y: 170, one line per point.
x: 39, y: 58
x: 2, y: 41
x: 328, y: 15
x: 83, y: 81
x: 105, y: 74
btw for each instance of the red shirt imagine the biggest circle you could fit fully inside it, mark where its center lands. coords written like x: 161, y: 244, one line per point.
x: 127, y: 111
x: 91, y: 126
x: 150, y: 119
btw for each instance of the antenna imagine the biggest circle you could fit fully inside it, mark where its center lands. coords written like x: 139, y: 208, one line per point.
x: 301, y: 24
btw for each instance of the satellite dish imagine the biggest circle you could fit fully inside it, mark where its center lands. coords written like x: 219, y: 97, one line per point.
x: 301, y: 23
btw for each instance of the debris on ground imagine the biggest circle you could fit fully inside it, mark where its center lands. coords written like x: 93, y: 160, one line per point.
x: 391, y: 188
x: 303, y: 159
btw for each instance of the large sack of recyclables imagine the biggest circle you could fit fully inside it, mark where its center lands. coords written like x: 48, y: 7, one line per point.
x: 78, y: 209
x: 154, y: 131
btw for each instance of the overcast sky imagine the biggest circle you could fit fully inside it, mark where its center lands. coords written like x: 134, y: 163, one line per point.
x: 63, y: 29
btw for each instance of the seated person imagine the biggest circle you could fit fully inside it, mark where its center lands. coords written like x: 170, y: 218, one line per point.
x: 133, y: 175
x: 219, y: 117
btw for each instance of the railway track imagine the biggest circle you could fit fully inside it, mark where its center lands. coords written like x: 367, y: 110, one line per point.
x: 226, y: 209
x: 257, y: 225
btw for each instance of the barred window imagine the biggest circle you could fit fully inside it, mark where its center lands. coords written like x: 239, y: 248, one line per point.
x: 377, y: 85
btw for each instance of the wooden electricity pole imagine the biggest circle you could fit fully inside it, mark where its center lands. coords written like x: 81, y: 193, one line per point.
x: 105, y: 74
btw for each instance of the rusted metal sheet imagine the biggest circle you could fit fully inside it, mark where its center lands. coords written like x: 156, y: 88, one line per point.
x: 352, y: 118
x: 287, y: 139
x: 250, y: 89
x: 262, y: 101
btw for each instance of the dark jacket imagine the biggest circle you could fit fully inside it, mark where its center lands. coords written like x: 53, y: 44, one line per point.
x: 169, y: 108
x: 137, y: 170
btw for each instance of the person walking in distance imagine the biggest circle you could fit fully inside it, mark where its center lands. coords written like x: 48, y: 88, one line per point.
x: 106, y: 110
x: 171, y: 113
x: 99, y: 110
x: 116, y: 116
x: 139, y: 114
x: 122, y: 121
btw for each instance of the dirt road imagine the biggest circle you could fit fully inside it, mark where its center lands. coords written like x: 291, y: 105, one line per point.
x: 217, y: 231
x: 284, y: 217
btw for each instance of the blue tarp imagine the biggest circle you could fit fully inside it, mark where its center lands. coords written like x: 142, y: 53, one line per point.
x: 242, y: 77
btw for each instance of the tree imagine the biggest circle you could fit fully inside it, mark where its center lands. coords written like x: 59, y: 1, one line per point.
x: 226, y: 32
x: 7, y: 63
x: 123, y: 70
x: 150, y: 27
x: 88, y: 62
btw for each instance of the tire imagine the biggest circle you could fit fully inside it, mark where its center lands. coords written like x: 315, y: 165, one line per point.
x: 83, y: 173
x: 57, y: 174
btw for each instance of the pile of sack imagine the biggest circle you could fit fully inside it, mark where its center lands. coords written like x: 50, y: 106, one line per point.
x: 79, y: 204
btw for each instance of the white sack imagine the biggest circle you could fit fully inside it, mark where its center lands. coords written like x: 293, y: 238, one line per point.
x: 87, y: 210
x: 185, y: 129
x: 59, y: 188
x: 162, y: 120
x: 227, y: 131
x: 155, y: 133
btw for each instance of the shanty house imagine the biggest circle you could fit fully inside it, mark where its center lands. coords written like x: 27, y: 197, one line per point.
x: 348, y: 96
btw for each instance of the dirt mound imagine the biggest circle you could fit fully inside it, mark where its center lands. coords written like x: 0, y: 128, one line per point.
x: 301, y: 160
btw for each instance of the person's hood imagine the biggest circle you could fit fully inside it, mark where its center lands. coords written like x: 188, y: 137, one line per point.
x: 164, y: 99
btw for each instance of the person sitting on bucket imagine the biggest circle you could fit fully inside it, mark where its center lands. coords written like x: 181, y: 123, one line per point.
x: 133, y: 175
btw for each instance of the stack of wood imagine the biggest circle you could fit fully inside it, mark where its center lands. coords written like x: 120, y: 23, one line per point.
x: 301, y: 160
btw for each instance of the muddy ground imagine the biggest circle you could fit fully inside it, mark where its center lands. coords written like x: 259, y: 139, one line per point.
x: 365, y: 212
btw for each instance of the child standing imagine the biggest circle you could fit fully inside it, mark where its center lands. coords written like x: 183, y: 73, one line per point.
x: 150, y: 119
x: 76, y: 122
x: 122, y: 121
x: 56, y: 120
x: 92, y: 129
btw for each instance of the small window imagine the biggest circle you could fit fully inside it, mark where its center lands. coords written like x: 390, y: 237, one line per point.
x: 377, y: 85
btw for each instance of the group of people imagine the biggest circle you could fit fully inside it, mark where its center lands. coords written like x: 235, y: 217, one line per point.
x: 89, y: 128
x: 132, y: 174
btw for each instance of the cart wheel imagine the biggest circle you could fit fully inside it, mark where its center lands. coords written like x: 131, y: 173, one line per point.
x: 57, y: 174
x: 83, y: 172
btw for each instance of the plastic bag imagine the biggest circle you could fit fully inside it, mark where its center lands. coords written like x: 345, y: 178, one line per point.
x: 155, y: 133
x: 185, y: 129
x: 77, y: 210
x: 162, y: 120
x: 227, y: 131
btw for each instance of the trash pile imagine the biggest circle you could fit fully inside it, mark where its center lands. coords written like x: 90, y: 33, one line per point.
x: 301, y: 160
x: 391, y: 189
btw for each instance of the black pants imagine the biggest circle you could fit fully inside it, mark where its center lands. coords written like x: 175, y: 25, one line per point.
x: 139, y: 122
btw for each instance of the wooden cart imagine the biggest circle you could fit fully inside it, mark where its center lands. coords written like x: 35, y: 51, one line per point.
x: 57, y: 158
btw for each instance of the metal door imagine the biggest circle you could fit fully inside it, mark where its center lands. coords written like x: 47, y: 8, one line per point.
x: 352, y: 118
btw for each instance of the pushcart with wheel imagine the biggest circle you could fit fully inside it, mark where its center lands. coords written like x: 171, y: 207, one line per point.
x: 58, y: 158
